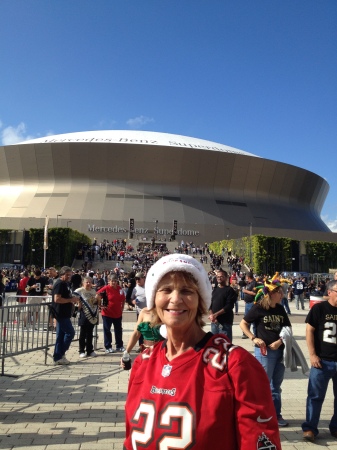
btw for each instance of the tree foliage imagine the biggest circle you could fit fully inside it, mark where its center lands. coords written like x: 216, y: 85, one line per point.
x: 63, y: 244
x: 263, y: 254
x: 322, y: 256
x: 4, y: 236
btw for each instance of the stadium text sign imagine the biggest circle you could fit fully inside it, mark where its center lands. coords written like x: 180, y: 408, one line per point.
x: 159, y: 231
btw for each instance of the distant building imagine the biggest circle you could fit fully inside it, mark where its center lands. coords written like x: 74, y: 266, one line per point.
x: 103, y: 182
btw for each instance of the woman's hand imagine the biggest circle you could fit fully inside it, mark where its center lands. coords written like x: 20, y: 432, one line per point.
x: 276, y: 344
x: 259, y: 342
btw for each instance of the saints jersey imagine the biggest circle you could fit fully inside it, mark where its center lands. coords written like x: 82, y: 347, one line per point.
x: 214, y: 396
x: 323, y: 317
x: 268, y: 322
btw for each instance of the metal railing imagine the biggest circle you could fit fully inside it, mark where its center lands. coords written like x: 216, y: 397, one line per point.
x: 28, y: 328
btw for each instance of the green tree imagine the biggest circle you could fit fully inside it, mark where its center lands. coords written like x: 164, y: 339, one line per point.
x: 63, y: 244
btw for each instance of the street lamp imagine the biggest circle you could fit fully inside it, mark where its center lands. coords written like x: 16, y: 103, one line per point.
x: 250, y: 242
x: 57, y: 219
x: 68, y: 222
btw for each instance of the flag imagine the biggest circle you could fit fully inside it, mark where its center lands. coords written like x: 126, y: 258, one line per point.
x: 45, y: 240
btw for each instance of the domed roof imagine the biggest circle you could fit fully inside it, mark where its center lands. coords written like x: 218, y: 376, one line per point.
x: 138, y: 138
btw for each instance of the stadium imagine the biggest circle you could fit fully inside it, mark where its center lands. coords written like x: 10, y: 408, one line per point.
x: 116, y: 184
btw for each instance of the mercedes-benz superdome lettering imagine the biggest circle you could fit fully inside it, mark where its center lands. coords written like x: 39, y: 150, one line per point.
x: 97, y: 180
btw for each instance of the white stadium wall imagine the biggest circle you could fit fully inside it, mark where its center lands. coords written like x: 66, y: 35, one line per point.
x: 96, y: 181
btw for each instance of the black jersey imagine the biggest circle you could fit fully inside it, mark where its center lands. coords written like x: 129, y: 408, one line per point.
x: 323, y: 317
x: 269, y: 322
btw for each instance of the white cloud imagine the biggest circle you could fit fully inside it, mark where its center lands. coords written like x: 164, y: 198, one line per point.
x: 12, y: 135
x: 332, y: 224
x: 139, y: 121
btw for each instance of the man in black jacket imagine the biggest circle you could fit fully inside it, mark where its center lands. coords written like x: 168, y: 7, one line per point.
x: 221, y: 310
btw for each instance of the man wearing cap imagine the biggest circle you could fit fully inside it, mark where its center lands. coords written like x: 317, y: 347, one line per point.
x: 138, y: 299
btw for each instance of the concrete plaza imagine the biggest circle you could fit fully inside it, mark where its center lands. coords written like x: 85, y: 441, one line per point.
x: 81, y: 406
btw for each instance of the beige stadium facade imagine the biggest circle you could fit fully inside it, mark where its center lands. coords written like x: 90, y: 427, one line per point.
x: 97, y: 181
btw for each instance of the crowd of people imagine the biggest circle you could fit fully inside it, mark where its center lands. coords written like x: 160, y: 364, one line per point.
x: 173, y: 295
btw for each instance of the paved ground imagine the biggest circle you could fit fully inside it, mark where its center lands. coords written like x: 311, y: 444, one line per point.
x: 81, y: 406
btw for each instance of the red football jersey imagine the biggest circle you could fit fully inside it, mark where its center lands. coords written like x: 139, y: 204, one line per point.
x: 214, y: 396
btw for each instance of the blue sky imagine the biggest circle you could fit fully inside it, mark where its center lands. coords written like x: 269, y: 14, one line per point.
x: 258, y: 75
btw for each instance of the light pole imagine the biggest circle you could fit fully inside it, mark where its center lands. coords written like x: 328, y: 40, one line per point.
x: 68, y: 222
x: 59, y: 246
x: 250, y: 242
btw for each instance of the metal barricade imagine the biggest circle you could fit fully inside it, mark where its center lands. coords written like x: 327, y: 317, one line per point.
x: 28, y: 328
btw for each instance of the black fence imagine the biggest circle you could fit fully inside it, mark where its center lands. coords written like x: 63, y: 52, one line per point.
x: 28, y: 328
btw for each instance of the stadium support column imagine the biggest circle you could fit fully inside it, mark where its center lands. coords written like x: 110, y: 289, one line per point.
x: 131, y: 228
x: 175, y: 230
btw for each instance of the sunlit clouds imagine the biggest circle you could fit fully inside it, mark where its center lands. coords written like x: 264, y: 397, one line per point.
x: 139, y: 121
x: 14, y: 134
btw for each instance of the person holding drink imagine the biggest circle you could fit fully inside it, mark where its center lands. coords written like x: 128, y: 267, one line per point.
x: 269, y: 317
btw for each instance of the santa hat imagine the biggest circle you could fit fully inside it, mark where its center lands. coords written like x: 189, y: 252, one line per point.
x: 177, y: 263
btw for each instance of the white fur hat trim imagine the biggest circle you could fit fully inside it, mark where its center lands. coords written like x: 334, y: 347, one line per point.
x: 178, y: 263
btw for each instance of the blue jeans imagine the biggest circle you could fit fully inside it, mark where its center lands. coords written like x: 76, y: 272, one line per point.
x: 248, y: 307
x: 64, y: 335
x: 118, y: 330
x: 299, y: 298
x: 317, y: 386
x: 226, y: 328
x: 285, y: 305
x: 274, y: 367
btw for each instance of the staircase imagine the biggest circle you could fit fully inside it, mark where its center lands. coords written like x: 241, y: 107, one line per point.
x: 127, y: 265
